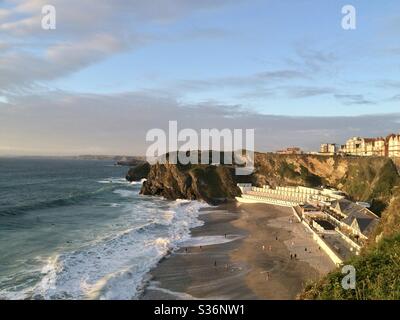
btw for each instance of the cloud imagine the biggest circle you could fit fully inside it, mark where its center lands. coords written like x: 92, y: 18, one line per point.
x: 308, y: 91
x: 257, y: 79
x: 395, y: 51
x: 395, y: 98
x: 84, y: 16
x: 313, y: 60
x: 87, y: 32
x: 20, y: 70
x: 66, y: 123
x: 3, y: 46
x: 389, y: 84
x: 3, y: 14
x: 353, y: 99
x: 296, y: 80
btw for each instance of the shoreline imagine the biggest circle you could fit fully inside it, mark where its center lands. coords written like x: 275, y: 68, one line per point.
x: 242, y: 251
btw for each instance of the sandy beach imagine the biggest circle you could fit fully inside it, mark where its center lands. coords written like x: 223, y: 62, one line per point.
x: 243, y: 251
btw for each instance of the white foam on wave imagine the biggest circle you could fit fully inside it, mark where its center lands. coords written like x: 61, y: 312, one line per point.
x: 179, y: 295
x: 116, y: 267
x: 126, y: 193
x: 114, y: 181
x: 138, y: 182
x: 114, y: 205
x: 183, y: 200
x: 209, y: 240
x: 14, y: 295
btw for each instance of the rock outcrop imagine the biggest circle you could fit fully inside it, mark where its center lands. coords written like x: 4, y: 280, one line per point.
x: 195, y: 182
x: 138, y: 172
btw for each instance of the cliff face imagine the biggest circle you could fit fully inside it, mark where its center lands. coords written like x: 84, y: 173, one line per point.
x: 139, y: 172
x: 363, y: 179
x: 195, y: 182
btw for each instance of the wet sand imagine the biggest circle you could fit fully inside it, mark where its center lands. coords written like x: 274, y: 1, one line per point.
x: 253, y: 263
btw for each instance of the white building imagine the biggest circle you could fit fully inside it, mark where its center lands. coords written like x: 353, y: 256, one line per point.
x: 328, y: 148
x: 287, y: 196
x: 393, y: 145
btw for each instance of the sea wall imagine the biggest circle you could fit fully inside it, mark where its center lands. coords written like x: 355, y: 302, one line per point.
x: 331, y: 254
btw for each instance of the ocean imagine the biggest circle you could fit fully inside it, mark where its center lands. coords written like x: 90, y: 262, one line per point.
x: 72, y: 229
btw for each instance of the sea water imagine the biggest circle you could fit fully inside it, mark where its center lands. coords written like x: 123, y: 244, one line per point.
x: 72, y: 229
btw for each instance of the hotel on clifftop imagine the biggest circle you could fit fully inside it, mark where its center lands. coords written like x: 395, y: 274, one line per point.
x: 366, y: 147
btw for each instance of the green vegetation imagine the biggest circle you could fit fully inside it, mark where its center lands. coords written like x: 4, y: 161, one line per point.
x: 371, y: 180
x: 287, y: 170
x: 387, y: 179
x: 310, y: 179
x: 377, y: 276
x: 390, y: 222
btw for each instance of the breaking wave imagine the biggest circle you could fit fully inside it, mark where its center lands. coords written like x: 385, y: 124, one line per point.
x: 116, y: 268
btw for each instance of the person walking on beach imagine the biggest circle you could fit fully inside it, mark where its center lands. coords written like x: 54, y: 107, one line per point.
x: 225, y: 235
x: 215, y: 263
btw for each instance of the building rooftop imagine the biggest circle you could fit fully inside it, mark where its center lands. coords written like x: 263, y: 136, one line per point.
x: 325, y: 224
x: 357, y: 216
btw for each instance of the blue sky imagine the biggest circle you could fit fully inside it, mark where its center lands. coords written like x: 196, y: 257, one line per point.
x: 260, y: 36
x: 268, y: 58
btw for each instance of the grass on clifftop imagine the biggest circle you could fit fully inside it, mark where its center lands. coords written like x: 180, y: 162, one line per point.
x: 377, y: 276
x: 372, y: 181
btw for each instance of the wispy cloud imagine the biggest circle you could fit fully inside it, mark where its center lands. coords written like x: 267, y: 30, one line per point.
x: 312, y: 60
x: 79, y: 40
x: 308, y: 91
x: 353, y: 99
x: 395, y: 98
x: 19, y: 70
x: 271, y: 77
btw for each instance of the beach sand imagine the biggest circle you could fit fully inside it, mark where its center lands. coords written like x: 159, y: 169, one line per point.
x: 253, y: 262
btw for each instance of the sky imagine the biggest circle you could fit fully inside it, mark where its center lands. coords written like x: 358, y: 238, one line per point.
x: 113, y: 70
